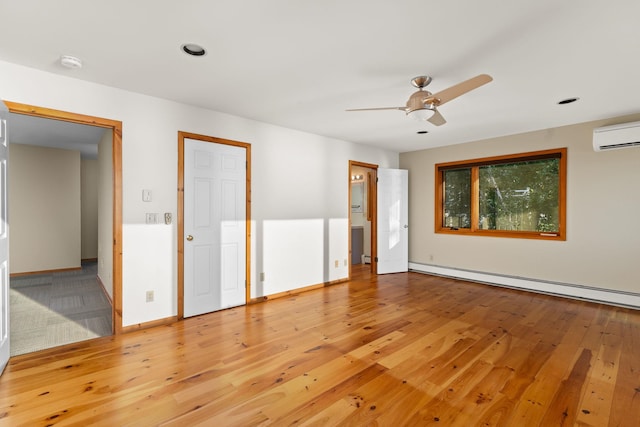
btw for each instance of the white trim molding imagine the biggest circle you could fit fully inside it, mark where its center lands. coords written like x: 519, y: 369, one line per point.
x: 587, y: 293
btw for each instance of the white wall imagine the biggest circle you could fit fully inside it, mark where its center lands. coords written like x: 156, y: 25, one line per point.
x: 89, y: 208
x: 44, y: 208
x: 299, y: 186
x: 603, y: 204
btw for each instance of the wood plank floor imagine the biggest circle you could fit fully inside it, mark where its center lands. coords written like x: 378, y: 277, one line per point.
x: 401, y: 349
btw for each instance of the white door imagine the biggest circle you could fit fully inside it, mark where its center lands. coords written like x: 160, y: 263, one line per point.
x: 214, y: 226
x: 4, y: 241
x: 393, y: 221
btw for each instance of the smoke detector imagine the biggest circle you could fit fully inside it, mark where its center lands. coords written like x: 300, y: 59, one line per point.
x: 69, y: 61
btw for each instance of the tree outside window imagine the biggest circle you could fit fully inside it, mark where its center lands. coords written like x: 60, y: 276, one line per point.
x: 519, y: 195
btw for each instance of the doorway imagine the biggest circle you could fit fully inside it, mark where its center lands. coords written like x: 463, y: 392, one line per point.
x: 362, y: 216
x: 214, y: 182
x: 116, y: 194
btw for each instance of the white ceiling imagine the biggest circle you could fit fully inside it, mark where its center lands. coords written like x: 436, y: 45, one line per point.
x: 301, y: 63
x: 55, y: 134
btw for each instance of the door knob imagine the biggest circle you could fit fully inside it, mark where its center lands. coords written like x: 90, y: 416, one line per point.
x: 189, y: 237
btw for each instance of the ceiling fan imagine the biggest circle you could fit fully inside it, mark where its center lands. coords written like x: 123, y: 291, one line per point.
x: 422, y: 103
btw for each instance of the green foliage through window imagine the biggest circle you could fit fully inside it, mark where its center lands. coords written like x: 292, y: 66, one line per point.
x: 457, y: 198
x: 518, y: 195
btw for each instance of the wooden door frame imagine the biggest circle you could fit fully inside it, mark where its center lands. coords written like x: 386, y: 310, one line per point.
x: 204, y: 138
x: 372, y: 202
x: 116, y: 165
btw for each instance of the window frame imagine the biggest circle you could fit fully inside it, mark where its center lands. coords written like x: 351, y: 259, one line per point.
x: 474, y: 165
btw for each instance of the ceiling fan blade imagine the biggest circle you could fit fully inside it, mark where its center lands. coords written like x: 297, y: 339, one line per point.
x: 459, y: 89
x: 379, y: 108
x: 437, y: 119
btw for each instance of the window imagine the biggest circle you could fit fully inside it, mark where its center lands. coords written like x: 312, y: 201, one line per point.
x: 521, y: 195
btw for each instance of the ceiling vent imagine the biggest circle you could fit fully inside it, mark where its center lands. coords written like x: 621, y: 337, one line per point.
x: 616, y: 136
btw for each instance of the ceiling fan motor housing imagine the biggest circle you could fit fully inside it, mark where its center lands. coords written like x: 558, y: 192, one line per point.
x: 416, y: 102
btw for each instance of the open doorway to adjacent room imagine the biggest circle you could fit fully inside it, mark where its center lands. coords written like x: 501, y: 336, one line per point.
x: 63, y: 209
x: 362, y: 216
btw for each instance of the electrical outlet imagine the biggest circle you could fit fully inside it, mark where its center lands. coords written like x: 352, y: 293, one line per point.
x: 345, y: 262
x: 167, y: 218
x: 337, y: 263
x: 149, y: 296
x: 262, y: 277
x: 151, y: 218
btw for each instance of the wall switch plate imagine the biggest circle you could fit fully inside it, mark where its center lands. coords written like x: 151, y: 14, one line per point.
x: 146, y: 195
x: 150, y: 296
x: 262, y: 277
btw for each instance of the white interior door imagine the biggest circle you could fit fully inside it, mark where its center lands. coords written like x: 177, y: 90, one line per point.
x: 393, y: 221
x: 214, y: 226
x: 4, y: 241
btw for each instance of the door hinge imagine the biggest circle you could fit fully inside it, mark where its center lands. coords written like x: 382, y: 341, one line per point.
x: 376, y: 259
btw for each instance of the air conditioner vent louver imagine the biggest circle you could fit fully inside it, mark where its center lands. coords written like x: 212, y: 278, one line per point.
x: 624, y: 145
x: 616, y: 136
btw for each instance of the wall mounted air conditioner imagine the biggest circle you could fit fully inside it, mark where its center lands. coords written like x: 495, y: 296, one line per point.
x: 616, y: 136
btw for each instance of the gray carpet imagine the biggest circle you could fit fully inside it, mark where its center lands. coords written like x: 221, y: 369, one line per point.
x: 48, y: 310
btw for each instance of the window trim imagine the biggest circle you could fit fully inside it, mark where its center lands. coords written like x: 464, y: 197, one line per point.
x: 474, y: 164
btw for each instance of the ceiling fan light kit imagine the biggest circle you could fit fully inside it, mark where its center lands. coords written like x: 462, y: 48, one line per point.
x: 422, y: 104
x: 421, y: 114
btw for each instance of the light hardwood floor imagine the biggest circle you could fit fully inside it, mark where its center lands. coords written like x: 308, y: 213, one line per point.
x: 394, y: 350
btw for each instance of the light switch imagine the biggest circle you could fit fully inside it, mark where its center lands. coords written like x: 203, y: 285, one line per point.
x: 146, y: 195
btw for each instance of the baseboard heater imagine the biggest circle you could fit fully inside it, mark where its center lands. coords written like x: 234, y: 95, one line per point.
x: 585, y: 293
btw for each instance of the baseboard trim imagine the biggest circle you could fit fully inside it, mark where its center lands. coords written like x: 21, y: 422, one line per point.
x: 151, y: 324
x: 33, y: 273
x: 568, y: 290
x: 286, y: 293
x: 336, y: 282
x: 295, y: 291
x: 104, y: 290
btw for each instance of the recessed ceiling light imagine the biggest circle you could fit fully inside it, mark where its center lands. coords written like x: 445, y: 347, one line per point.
x: 69, y: 61
x: 422, y: 132
x: 193, y: 49
x: 567, y: 101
